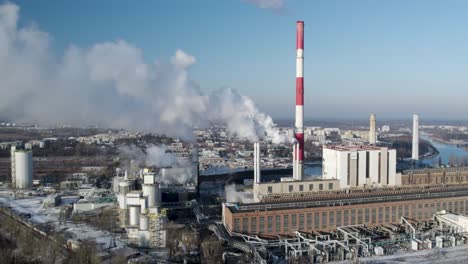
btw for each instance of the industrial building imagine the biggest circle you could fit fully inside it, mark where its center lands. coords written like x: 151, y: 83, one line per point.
x: 21, y: 168
x: 287, y: 185
x: 146, y: 196
x: 359, y: 186
x: 360, y: 243
x: 421, y: 194
x: 140, y: 210
x: 360, y: 166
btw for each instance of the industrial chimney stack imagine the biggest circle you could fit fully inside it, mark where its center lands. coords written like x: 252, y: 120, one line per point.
x: 257, y: 173
x: 415, y: 152
x: 298, y: 165
x: 372, y: 135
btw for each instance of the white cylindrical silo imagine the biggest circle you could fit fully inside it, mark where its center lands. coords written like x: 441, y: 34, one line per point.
x: 144, y: 223
x: 143, y: 203
x: 23, y: 169
x: 134, y: 215
x: 149, y: 190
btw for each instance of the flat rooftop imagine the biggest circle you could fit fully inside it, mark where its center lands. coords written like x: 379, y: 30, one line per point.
x: 353, y: 147
x: 362, y: 198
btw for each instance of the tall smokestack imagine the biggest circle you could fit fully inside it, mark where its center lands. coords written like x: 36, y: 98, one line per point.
x: 299, y: 133
x: 372, y: 135
x: 257, y: 172
x: 415, y: 152
x: 295, y: 161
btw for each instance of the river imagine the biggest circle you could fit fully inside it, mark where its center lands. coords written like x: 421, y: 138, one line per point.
x: 446, y: 152
x: 310, y: 170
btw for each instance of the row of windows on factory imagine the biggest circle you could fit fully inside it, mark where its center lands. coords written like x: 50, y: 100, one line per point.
x: 301, y: 187
x: 424, y: 179
x: 286, y: 223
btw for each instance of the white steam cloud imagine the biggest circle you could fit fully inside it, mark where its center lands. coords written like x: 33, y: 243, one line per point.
x: 181, y: 170
x: 157, y: 156
x: 109, y: 84
x: 234, y: 196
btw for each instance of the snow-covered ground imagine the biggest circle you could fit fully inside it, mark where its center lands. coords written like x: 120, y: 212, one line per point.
x: 40, y: 215
x: 451, y: 255
x: 33, y: 206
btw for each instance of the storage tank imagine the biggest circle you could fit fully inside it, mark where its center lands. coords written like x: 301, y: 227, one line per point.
x: 134, y: 215
x: 144, y: 223
x: 149, y: 190
x: 23, y: 169
x: 143, y: 203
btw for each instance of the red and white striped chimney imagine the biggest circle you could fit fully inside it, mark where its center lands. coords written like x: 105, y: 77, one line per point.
x: 299, y: 125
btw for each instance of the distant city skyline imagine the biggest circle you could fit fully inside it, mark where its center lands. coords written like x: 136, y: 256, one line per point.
x: 393, y: 58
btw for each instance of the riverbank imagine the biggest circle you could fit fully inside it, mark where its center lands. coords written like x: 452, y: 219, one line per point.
x: 404, y: 144
x: 430, y: 155
x: 448, y: 153
x: 458, y: 143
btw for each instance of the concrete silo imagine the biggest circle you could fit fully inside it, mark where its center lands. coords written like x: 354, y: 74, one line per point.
x: 23, y: 172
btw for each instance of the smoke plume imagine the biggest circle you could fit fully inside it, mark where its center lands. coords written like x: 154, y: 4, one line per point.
x: 234, y: 196
x: 133, y: 158
x: 152, y: 155
x: 109, y: 84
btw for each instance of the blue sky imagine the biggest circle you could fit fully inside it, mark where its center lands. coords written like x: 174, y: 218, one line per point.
x: 389, y: 57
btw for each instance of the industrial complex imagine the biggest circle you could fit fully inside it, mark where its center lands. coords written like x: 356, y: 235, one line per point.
x: 359, y: 188
x: 361, y: 206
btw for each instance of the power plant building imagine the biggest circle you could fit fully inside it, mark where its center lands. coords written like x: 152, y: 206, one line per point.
x: 360, y: 166
x: 420, y: 195
x: 359, y: 186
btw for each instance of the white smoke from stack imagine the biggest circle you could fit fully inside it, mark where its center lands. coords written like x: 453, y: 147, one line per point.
x: 109, y: 84
x: 242, y: 117
x: 133, y: 158
x: 234, y: 196
x: 159, y: 157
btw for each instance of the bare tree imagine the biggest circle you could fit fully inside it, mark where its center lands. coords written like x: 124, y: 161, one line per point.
x: 212, y: 250
x: 173, y: 238
x: 86, y: 254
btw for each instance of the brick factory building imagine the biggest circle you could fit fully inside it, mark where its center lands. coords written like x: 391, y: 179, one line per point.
x: 422, y: 193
